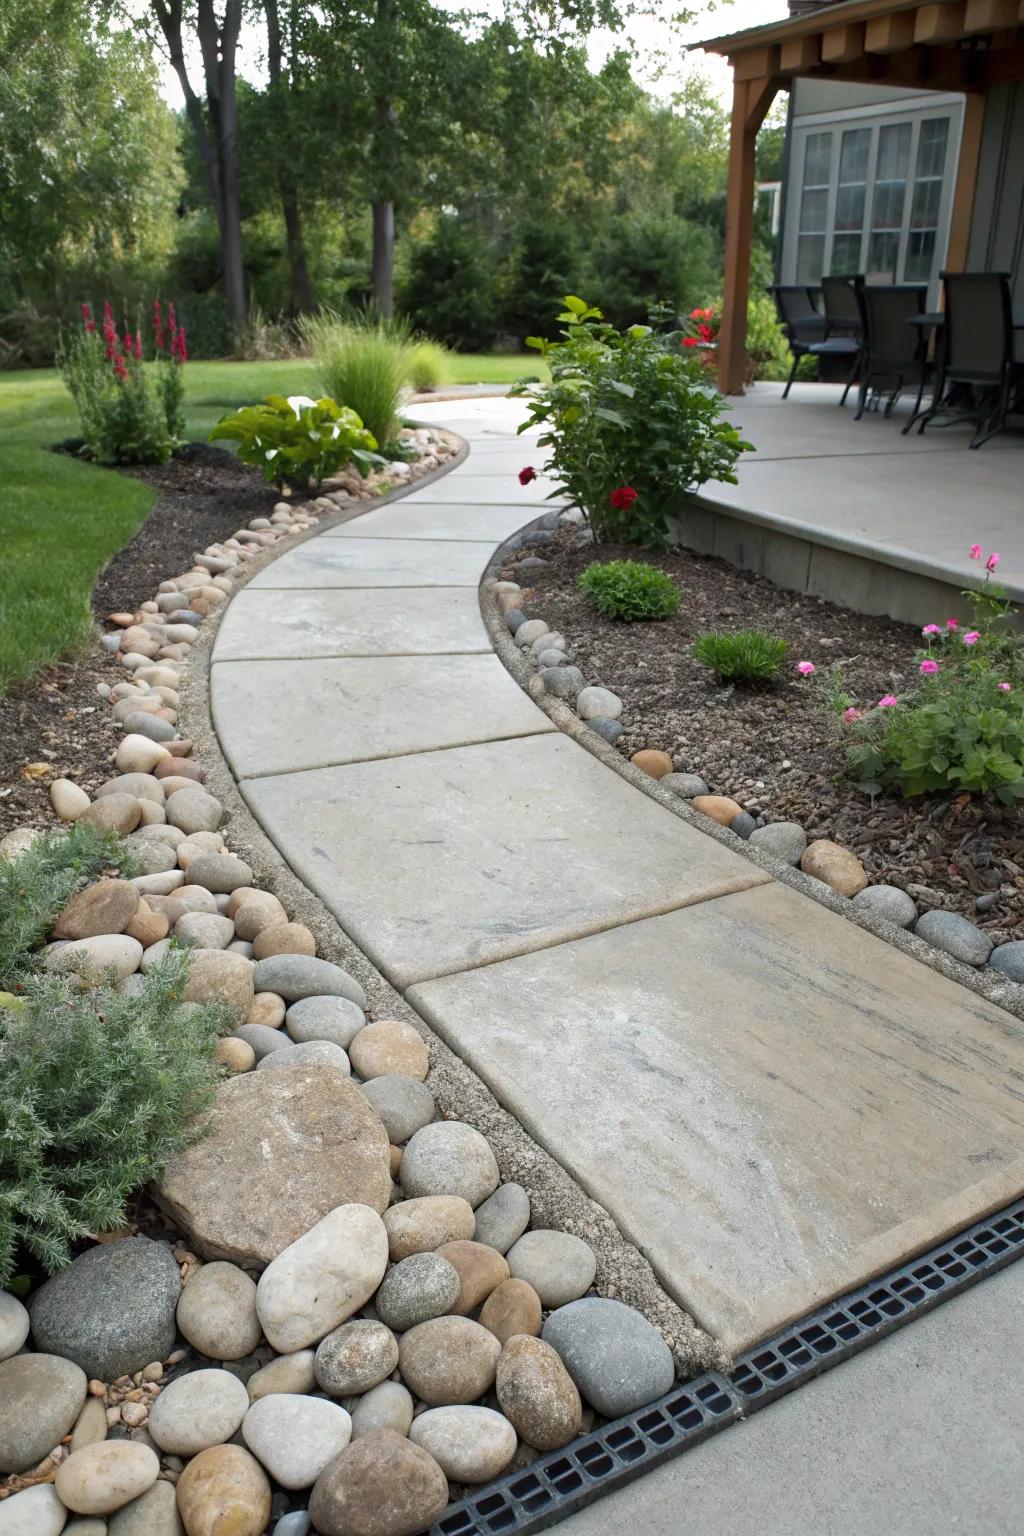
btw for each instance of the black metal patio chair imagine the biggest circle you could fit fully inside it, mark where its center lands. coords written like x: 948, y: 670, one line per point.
x: 800, y: 319
x: 895, y: 349
x: 977, y: 372
x: 844, y: 334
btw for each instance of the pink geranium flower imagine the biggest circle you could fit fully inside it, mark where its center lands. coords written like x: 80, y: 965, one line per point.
x: 928, y: 666
x: 889, y: 699
x: 952, y: 624
x: 805, y: 668
x: 992, y: 562
x: 851, y: 714
x: 972, y: 637
x: 1003, y: 687
x: 931, y: 629
x: 975, y: 551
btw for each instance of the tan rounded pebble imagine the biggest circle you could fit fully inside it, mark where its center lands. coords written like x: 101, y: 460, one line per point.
x: 719, y: 807
x: 194, y: 847
x: 835, y: 865
x: 224, y: 1492
x: 90, y: 1426
x: 380, y: 1485
x: 68, y: 800
x: 151, y: 814
x: 100, y: 1478
x: 173, y: 782
x: 283, y: 939
x: 140, y: 786
x: 389, y: 1046
x: 267, y: 1008
x: 512, y: 1307
x: 652, y: 762
x: 217, y: 976
x: 237, y: 1055
x: 537, y: 1394
x: 480, y: 1270
x: 469, y: 1444
x: 137, y: 754
x: 448, y: 1360
x: 285, y: 1373
x: 113, y: 813
x: 217, y: 1311
x: 251, y: 917
x: 106, y: 907
x: 148, y: 927
x: 396, y: 1160
x: 422, y: 1225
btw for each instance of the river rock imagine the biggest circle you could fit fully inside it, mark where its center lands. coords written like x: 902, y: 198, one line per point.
x: 956, y: 935
x: 283, y: 939
x: 387, y: 1406
x: 559, y: 1266
x: 112, y: 1309
x: 253, y: 911
x: 656, y: 764
x: 618, y: 1360
x: 785, y: 840
x: 448, y: 1157
x: 420, y: 1226
x: 264, y: 1040
x: 470, y: 1445
x: 138, y: 786
x: 217, y: 976
x: 217, y: 1312
x: 221, y: 873
x: 835, y: 866
x: 198, y: 1410
x: 380, y: 1485
x: 224, y: 1492
x: 720, y: 808
x: 145, y: 723
x: 355, y: 1357
x: 106, y: 907
x: 297, y: 976
x: 319, y: 1280
x: 387, y: 1047
x: 312, y: 1053
x: 100, y: 1478
x: 113, y: 813
x: 41, y: 1396
x: 448, y: 1360
x: 295, y: 1437
x: 284, y: 1374
x: 537, y: 1394
x: 14, y: 1324
x: 480, y: 1270
x: 686, y: 785
x: 137, y: 754
x: 1009, y: 960
x: 887, y: 902
x: 93, y: 960
x: 503, y: 1217
x: 152, y: 854
x: 206, y: 930
x: 324, y: 1018
x: 91, y: 1424
x: 404, y: 1105
x: 598, y: 704
x: 154, y: 1514
x: 33, y: 1512
x: 267, y: 1008
x: 313, y: 1129
x: 194, y: 810
x: 68, y: 800
x: 512, y: 1307
x: 423, y: 1286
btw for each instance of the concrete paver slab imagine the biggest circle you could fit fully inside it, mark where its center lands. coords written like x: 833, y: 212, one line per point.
x: 354, y: 621
x: 773, y: 1104
x: 285, y: 716
x: 359, y: 562
x: 918, y: 1436
x: 449, y: 859
x: 420, y: 519
x: 481, y: 488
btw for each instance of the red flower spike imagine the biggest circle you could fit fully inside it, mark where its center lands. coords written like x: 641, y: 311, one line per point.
x: 527, y: 474
x: 138, y: 345
x: 623, y: 498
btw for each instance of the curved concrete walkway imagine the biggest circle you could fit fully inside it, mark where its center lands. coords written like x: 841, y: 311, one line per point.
x: 771, y: 1103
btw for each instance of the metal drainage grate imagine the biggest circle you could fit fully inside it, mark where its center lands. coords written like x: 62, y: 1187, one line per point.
x: 562, y: 1481
x: 835, y: 1332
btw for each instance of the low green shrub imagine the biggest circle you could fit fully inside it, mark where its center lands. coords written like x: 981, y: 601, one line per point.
x: 629, y: 590
x: 298, y: 441
x: 36, y: 886
x: 363, y: 364
x: 98, y: 1091
x: 748, y: 656
x: 127, y: 415
x: 428, y: 366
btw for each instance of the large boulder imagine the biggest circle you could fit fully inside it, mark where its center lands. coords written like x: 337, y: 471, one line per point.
x: 284, y: 1149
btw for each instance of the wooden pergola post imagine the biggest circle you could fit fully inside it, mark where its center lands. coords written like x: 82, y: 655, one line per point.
x: 750, y: 102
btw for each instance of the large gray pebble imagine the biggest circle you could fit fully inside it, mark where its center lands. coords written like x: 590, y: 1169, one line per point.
x: 206, y: 930
x: 387, y: 1406
x: 559, y: 1266
x: 140, y: 723
x: 1009, y: 959
x: 154, y: 1514
x: 686, y: 785
x: 563, y: 682
x: 325, y: 1018
x: 617, y: 1359
x: 887, y: 902
x: 608, y: 730
x: 784, y: 840
x: 404, y: 1104
x: 503, y: 1218
x: 954, y: 934
x: 194, y: 810
x: 418, y: 1288
x: 312, y: 1053
x: 41, y: 1396
x: 355, y: 1357
x: 221, y: 873
x: 598, y: 704
x: 195, y: 1411
x: 449, y: 1158
x: 298, y: 976
x: 263, y: 1039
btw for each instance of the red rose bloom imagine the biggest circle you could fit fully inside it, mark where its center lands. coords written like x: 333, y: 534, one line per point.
x: 706, y: 333
x: 527, y: 474
x: 689, y: 341
x: 623, y: 498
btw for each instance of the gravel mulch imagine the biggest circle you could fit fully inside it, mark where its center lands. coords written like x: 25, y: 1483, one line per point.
x: 203, y: 495
x: 773, y: 748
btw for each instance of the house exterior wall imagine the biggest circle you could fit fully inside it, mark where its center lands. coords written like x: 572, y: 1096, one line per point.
x: 997, y: 222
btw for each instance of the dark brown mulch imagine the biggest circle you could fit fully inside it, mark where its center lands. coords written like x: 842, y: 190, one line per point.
x: 203, y: 494
x: 773, y: 748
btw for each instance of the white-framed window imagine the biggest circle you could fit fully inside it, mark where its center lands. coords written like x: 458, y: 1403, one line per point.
x: 870, y: 191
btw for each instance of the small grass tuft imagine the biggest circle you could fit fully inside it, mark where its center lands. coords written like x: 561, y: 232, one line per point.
x: 629, y: 590
x: 429, y: 366
x: 748, y: 656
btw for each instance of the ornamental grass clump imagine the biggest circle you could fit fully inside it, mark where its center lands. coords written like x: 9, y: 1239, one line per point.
x: 128, y: 414
x: 428, y: 366
x: 747, y: 656
x: 99, y: 1089
x: 363, y: 364
x: 629, y: 591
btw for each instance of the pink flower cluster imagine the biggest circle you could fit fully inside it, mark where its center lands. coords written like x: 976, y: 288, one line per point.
x: 977, y: 553
x: 122, y: 350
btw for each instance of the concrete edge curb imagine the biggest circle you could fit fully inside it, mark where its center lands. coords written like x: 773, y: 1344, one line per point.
x: 556, y: 1199
x: 1005, y: 994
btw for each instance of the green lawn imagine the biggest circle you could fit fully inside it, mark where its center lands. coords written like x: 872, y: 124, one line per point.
x: 62, y: 520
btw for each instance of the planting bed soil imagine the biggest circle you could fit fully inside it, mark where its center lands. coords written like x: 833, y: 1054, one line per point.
x: 203, y: 494
x: 774, y: 748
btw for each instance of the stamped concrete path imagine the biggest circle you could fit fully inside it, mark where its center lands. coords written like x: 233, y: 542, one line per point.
x: 771, y: 1103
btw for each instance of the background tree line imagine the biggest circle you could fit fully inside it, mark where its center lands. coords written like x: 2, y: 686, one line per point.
x: 462, y: 171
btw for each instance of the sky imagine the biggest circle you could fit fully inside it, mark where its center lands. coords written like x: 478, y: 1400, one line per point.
x: 649, y: 38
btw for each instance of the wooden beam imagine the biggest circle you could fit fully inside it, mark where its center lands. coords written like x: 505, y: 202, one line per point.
x: 890, y: 34
x: 802, y: 53
x: 841, y: 44
x: 966, y: 182
x: 1004, y: 65
x: 750, y: 102
x: 754, y: 64
x: 987, y: 15
x: 939, y: 23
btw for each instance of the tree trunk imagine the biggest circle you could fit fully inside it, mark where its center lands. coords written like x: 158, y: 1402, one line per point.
x: 383, y: 257
x: 302, y: 297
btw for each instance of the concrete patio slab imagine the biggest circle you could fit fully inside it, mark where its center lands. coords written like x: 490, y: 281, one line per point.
x: 409, y: 519
x: 286, y: 716
x: 368, y: 621
x: 773, y: 1104
x: 360, y: 562
x: 450, y: 859
x: 481, y: 488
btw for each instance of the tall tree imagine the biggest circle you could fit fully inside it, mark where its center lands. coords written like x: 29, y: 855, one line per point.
x: 282, y: 70
x: 214, y: 121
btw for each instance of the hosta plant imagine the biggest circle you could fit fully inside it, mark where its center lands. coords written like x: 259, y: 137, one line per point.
x: 298, y: 441
x: 629, y: 590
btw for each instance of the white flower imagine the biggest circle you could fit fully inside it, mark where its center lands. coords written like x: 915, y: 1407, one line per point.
x: 300, y: 403
x: 271, y: 453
